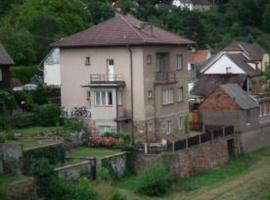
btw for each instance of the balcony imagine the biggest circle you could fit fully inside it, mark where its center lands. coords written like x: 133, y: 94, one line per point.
x: 165, y: 77
x: 112, y: 80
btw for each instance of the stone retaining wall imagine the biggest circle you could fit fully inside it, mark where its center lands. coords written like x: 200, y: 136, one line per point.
x: 188, y: 162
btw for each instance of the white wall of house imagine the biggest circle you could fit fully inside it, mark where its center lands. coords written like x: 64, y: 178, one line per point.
x: 52, y: 75
x: 221, y: 66
x: 181, y: 5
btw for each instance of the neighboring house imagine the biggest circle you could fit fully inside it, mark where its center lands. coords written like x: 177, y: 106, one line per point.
x: 239, y: 63
x: 230, y: 105
x: 132, y: 75
x: 195, y: 61
x: 5, y: 63
x: 51, y: 68
x: 200, y: 5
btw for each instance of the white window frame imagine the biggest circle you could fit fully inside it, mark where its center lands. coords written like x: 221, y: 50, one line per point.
x: 102, y: 98
x: 168, y: 126
x: 167, y: 96
x: 180, y: 122
x: 1, y: 75
x: 104, y: 129
x: 180, y: 94
x: 179, y: 62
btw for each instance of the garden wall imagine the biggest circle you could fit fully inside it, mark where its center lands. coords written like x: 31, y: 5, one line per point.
x: 185, y: 163
x: 255, y: 139
x: 116, y: 163
x: 11, y: 158
x: 74, y: 171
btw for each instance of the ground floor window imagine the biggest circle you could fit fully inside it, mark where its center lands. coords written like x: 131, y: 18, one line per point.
x: 105, y: 129
x: 103, y: 98
x: 168, y: 126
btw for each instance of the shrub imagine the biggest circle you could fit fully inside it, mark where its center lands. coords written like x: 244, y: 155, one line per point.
x: 47, y: 115
x: 118, y: 196
x: 154, y: 181
x: 17, y: 121
x: 2, y: 139
x: 39, y: 96
x: 104, y: 174
x: 72, y: 125
x: 24, y: 73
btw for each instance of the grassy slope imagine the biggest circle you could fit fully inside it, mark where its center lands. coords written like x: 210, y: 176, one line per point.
x: 246, y: 177
x: 92, y: 152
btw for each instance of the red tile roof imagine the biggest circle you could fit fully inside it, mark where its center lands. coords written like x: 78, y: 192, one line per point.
x: 198, y: 57
x: 122, y: 30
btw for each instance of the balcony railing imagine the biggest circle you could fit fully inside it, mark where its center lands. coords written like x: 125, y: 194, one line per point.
x: 106, y: 78
x: 163, y: 77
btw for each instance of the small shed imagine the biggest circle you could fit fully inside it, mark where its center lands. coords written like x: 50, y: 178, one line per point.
x: 229, y: 104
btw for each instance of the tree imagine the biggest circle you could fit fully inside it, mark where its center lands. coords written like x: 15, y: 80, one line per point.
x: 266, y: 18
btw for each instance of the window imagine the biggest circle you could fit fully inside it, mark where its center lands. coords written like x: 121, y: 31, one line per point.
x: 228, y: 70
x: 179, y: 62
x: 168, y: 126
x: 149, y: 59
x: 103, y: 98
x: 180, y: 122
x: 167, y: 96
x: 180, y: 94
x: 87, y: 61
x: 161, y: 61
x: 110, y: 62
x: 1, y: 75
x: 105, y: 129
x: 149, y: 94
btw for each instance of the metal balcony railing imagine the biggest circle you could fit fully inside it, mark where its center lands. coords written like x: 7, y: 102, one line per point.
x: 106, y: 78
x: 165, y: 77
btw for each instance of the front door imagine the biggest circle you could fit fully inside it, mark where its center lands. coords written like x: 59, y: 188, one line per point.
x: 110, y: 70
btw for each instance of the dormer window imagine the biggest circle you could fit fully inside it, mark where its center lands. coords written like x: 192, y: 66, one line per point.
x: 228, y: 70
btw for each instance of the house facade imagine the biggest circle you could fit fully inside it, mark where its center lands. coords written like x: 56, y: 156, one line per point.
x: 130, y: 74
x: 230, y: 105
x: 50, y: 66
x: 5, y: 63
x: 199, y: 5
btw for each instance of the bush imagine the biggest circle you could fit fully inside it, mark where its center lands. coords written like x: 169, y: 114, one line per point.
x: 118, y: 196
x: 72, y: 125
x: 47, y: 115
x: 154, y: 181
x: 24, y: 73
x: 17, y: 121
x: 104, y: 174
x: 39, y: 96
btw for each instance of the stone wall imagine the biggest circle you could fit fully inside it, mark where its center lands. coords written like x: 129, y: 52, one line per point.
x: 117, y: 163
x: 187, y: 162
x: 74, y: 171
x: 11, y: 158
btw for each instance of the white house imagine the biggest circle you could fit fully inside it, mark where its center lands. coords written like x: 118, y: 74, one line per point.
x: 51, y: 68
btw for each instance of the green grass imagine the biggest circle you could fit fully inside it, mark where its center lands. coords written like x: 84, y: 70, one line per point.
x: 6, y: 180
x: 34, y: 131
x: 92, y: 152
x: 27, y: 143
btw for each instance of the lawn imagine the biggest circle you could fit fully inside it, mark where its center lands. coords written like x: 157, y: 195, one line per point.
x: 27, y: 143
x: 92, y: 152
x: 6, y: 180
x: 245, y: 177
x: 34, y: 131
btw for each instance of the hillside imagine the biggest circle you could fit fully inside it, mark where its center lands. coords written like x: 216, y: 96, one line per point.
x: 29, y: 26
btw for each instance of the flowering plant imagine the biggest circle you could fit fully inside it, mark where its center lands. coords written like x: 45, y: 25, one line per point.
x: 103, y: 141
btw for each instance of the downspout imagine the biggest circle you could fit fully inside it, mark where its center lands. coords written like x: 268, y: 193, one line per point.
x: 131, y: 94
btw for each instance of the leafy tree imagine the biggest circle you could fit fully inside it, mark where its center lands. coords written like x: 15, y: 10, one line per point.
x: 266, y: 18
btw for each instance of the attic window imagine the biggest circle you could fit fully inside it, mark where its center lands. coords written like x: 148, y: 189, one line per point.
x: 228, y: 70
x: 87, y: 60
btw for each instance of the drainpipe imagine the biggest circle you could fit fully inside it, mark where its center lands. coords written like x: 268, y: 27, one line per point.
x: 131, y: 95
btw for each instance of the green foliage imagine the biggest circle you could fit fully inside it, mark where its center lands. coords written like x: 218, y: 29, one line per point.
x: 47, y: 115
x: 54, y: 154
x: 72, y: 125
x: 7, y: 102
x: 118, y: 196
x: 39, y: 96
x: 2, y: 138
x: 24, y: 73
x: 17, y: 121
x: 154, y: 181
x: 104, y: 174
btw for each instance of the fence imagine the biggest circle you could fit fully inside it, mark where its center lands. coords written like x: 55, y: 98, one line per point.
x: 211, y: 133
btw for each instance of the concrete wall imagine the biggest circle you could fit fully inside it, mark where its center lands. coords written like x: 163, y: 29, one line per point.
x: 52, y: 75
x: 255, y: 139
x: 74, y: 171
x: 187, y: 162
x: 11, y: 158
